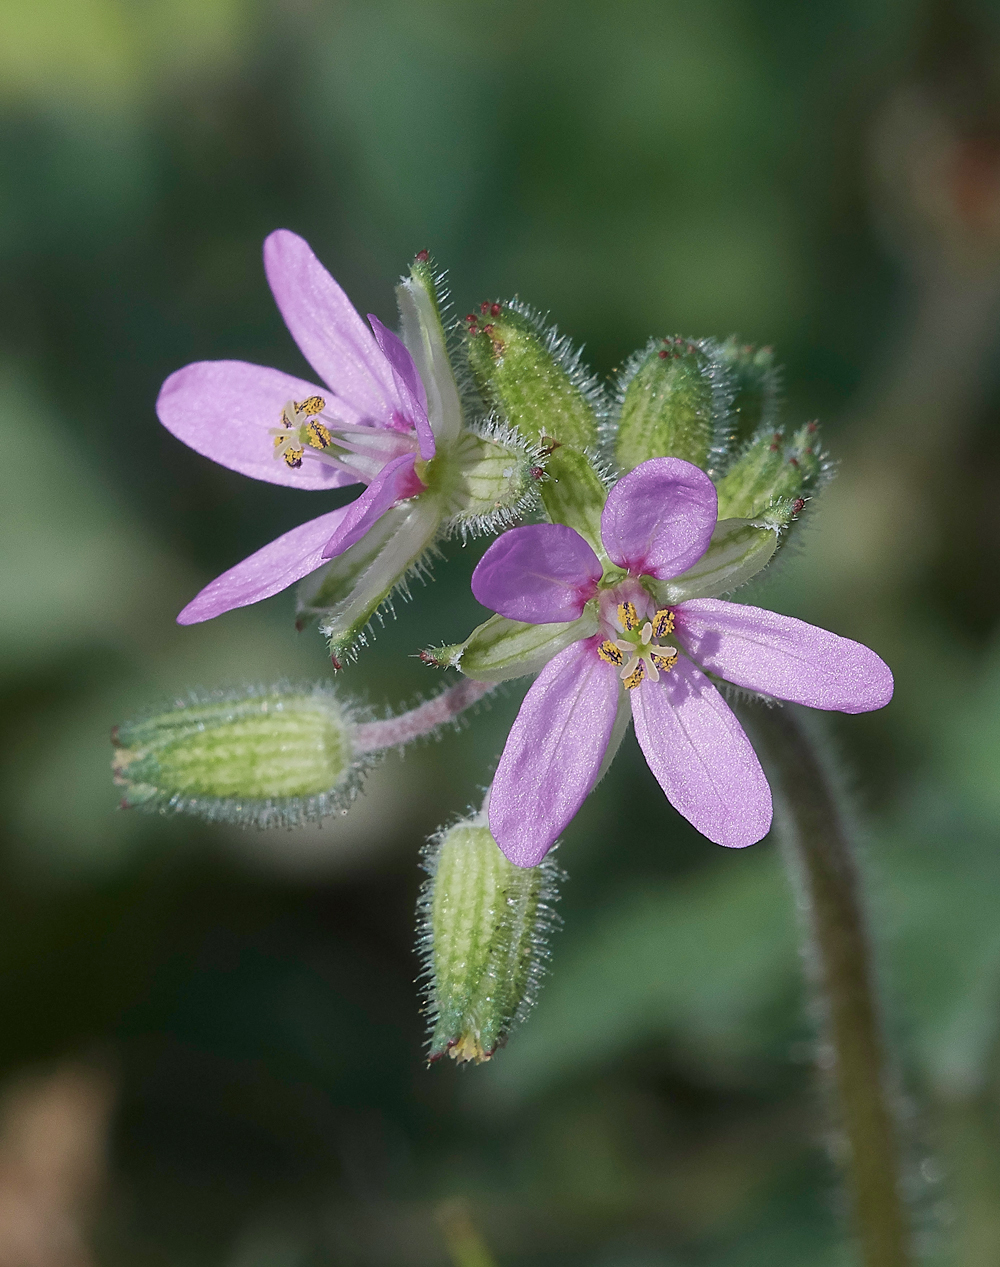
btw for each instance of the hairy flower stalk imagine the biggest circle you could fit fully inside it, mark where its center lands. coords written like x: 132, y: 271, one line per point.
x: 816, y: 841
x: 270, y: 757
x: 483, y: 928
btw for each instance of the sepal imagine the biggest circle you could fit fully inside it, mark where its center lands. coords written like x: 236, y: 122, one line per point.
x: 755, y: 383
x: 422, y: 298
x: 501, y: 649
x: 486, y: 480
x: 483, y: 927
x: 773, y: 472
x: 739, y: 549
x: 532, y: 375
x: 275, y: 756
x: 673, y: 402
x: 573, y: 493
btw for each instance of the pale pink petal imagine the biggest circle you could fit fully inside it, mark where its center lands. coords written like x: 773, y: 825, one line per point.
x: 783, y: 657
x: 554, y: 752
x: 286, y: 560
x: 659, y: 519
x: 333, y: 338
x: 408, y: 384
x: 224, y: 409
x: 393, y: 483
x: 540, y: 574
x: 700, y: 756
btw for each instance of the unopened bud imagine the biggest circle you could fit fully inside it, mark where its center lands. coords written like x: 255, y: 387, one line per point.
x: 532, y: 376
x: 674, y: 398
x: 483, y: 927
x: 755, y: 382
x: 773, y: 474
x: 270, y: 757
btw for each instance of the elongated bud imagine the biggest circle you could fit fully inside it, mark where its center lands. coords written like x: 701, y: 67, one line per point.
x: 755, y: 382
x: 532, y: 375
x: 483, y: 926
x: 674, y: 398
x: 270, y: 757
x: 774, y: 475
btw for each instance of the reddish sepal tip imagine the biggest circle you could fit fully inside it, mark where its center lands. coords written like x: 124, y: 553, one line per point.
x: 423, y: 256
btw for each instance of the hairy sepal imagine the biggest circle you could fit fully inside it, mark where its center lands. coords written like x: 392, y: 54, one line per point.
x: 501, y: 649
x: 773, y: 471
x: 345, y: 593
x: 422, y: 298
x: 573, y: 493
x: 483, y: 928
x: 739, y: 549
x: 487, y: 480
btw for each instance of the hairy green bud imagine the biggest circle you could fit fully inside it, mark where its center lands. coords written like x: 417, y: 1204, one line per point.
x: 674, y: 397
x: 755, y: 382
x: 483, y: 925
x: 774, y: 477
x: 532, y: 376
x: 282, y: 755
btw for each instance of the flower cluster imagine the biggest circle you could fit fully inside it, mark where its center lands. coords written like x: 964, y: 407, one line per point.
x: 624, y: 517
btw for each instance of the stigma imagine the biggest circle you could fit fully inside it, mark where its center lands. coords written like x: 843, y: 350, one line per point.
x: 639, y: 653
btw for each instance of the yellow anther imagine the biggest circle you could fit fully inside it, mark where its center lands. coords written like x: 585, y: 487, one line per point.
x: 311, y: 405
x: 293, y: 457
x: 628, y: 617
x: 636, y: 676
x: 316, y: 434
x: 663, y: 662
x: 611, y: 654
x: 663, y: 623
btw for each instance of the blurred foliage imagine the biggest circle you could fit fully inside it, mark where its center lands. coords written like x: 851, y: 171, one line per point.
x: 824, y: 179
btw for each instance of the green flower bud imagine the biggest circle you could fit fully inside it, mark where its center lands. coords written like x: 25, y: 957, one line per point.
x: 500, y: 649
x: 532, y: 376
x: 755, y: 382
x: 278, y: 756
x: 674, y: 397
x: 774, y: 477
x: 483, y: 926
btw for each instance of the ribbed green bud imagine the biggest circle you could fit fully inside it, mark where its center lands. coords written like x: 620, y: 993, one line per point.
x: 486, y: 480
x: 574, y: 494
x: 501, y: 649
x: 754, y: 382
x: 276, y: 756
x: 532, y: 376
x: 773, y: 476
x: 673, y: 404
x: 483, y: 926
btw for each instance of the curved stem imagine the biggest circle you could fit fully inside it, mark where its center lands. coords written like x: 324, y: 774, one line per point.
x: 422, y: 720
x: 817, y: 848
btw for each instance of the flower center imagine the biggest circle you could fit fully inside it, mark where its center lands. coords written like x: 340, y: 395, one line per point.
x: 638, y: 651
x: 355, y: 447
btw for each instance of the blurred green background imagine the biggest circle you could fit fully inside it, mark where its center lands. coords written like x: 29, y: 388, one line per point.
x: 211, y: 1045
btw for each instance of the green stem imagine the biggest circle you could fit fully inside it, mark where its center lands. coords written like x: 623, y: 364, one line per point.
x: 817, y: 847
x: 466, y: 1248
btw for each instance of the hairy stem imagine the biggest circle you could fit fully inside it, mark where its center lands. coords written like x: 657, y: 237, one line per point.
x: 422, y: 720
x: 817, y: 847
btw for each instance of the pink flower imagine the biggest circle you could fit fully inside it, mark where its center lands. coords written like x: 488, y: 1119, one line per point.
x: 367, y: 424
x: 638, y: 656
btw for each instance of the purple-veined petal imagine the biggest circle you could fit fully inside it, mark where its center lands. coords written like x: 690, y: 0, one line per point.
x: 332, y: 336
x: 784, y: 657
x: 659, y: 519
x: 394, y: 482
x: 554, y: 752
x: 224, y: 410
x: 540, y: 574
x: 701, y: 757
x: 408, y: 384
x: 284, y: 561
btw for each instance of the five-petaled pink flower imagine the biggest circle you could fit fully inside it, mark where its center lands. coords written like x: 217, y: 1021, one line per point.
x: 369, y: 424
x: 637, y: 655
